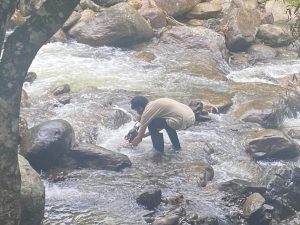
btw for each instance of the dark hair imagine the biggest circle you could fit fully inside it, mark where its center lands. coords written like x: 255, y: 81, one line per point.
x: 138, y: 101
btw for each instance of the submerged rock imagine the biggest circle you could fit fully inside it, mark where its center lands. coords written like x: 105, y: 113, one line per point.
x: 150, y: 199
x: 167, y: 220
x: 93, y: 157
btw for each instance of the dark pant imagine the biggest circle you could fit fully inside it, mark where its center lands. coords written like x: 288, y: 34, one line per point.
x: 157, y: 138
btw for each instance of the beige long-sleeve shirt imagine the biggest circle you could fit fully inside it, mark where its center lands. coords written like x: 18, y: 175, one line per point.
x: 178, y: 116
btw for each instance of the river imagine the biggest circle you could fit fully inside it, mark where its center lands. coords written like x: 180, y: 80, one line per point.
x: 90, y: 197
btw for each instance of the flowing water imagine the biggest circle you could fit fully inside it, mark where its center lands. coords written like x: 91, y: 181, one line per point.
x: 106, y: 74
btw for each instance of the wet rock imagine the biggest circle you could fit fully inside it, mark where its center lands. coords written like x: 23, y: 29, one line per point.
x: 145, y: 56
x: 30, y: 77
x: 269, y: 114
x: 205, y: 10
x: 150, y: 199
x: 196, y: 22
x: 167, y: 220
x: 44, y: 144
x: 242, y: 187
x: 253, y: 203
x: 260, y: 51
x: 32, y: 194
x: 176, y: 200
x: 240, y: 27
x: 93, y: 157
x: 176, y: 8
x: 200, y: 114
x: 64, y: 99
x: 204, y: 173
x: 119, y: 25
x: 17, y: 19
x: 271, y: 144
x: 274, y: 35
x: 62, y: 89
x: 23, y: 127
x: 156, y: 16
x: 203, y: 220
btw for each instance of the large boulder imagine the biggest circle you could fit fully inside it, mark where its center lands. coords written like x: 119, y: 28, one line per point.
x: 240, y: 26
x: 155, y: 15
x: 245, y: 4
x: 205, y: 10
x: 32, y: 194
x: 260, y: 51
x: 44, y: 144
x: 274, y: 35
x: 93, y: 157
x: 271, y: 144
x: 119, y: 25
x: 268, y: 114
x: 176, y: 8
x: 278, y: 9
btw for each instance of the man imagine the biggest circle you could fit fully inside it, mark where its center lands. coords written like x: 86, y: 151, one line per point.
x: 163, y: 113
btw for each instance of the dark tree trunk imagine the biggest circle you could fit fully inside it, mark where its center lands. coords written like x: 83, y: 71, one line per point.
x: 20, y: 49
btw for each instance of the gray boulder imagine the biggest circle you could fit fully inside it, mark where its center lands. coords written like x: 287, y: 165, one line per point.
x: 32, y: 195
x: 205, y: 10
x: 150, y: 199
x: 271, y: 144
x: 274, y: 35
x: 240, y: 27
x: 44, y: 144
x: 93, y: 157
x: 119, y: 25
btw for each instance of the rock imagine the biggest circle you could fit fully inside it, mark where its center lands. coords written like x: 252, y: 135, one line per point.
x: 150, y: 199
x: 205, y: 10
x: 245, y: 4
x: 59, y: 36
x: 32, y: 195
x: 253, y: 203
x: 137, y: 4
x: 196, y: 22
x: 90, y: 4
x: 66, y: 99
x: 45, y: 143
x: 269, y: 114
x: 71, y: 21
x: 30, y: 77
x: 108, y: 3
x: 267, y: 18
x: 93, y: 157
x: 62, y: 89
x: 145, y: 56
x: 260, y: 51
x: 25, y: 99
x: 242, y: 187
x: 155, y: 16
x: 271, y: 144
x: 167, y: 220
x: 274, y: 35
x: 176, y: 8
x: 119, y: 25
x: 278, y: 9
x: 240, y: 27
x: 16, y: 20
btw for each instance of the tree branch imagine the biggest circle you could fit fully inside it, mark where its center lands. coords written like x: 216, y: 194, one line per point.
x: 23, y: 44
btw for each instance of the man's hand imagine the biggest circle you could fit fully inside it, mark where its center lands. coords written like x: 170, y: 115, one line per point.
x: 136, y: 141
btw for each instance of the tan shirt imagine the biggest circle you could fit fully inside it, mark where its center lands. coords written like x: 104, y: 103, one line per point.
x: 178, y: 116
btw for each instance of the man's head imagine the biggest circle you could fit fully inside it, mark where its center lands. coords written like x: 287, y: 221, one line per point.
x: 138, y: 103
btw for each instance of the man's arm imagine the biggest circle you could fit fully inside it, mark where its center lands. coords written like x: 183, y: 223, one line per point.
x: 138, y: 139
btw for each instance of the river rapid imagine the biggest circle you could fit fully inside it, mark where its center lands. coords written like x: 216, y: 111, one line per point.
x: 107, y: 75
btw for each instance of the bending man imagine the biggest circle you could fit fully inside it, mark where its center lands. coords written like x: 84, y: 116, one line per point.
x: 163, y: 113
